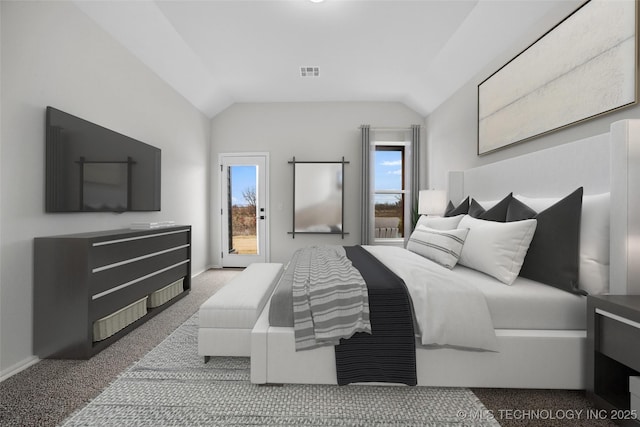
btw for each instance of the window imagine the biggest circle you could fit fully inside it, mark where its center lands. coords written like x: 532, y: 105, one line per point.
x: 390, y: 179
x: 390, y: 188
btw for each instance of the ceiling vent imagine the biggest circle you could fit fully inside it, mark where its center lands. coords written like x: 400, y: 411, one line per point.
x: 309, y: 71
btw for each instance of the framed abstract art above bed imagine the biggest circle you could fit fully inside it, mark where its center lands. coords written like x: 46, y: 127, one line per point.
x: 585, y: 66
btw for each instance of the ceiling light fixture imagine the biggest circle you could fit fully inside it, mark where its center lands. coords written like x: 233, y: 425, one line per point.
x: 316, y: 1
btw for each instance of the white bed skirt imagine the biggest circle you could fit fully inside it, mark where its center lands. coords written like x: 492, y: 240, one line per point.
x: 527, y: 359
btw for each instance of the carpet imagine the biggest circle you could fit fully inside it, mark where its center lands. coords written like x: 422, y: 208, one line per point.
x: 46, y: 393
x: 172, y: 386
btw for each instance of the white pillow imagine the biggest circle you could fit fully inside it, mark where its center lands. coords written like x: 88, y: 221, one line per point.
x: 439, y: 222
x: 441, y: 246
x: 496, y: 248
x: 594, y: 239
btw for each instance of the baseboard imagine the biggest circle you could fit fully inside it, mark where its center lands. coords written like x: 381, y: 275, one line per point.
x: 18, y: 367
x: 197, y: 273
x: 207, y: 267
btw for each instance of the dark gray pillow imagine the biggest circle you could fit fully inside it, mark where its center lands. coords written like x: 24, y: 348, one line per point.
x: 496, y: 213
x: 462, y: 208
x: 553, y: 257
x: 518, y: 211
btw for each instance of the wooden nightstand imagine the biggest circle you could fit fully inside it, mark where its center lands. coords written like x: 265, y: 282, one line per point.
x: 613, y: 353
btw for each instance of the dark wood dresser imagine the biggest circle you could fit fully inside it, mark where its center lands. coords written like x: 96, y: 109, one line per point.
x: 82, y: 278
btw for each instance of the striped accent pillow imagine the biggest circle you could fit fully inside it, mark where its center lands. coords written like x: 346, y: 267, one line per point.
x: 439, y: 222
x: 441, y: 246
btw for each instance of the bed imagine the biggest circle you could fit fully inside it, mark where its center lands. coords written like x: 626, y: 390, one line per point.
x: 539, y: 330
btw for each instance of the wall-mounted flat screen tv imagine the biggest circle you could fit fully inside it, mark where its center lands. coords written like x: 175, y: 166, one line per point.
x: 93, y: 169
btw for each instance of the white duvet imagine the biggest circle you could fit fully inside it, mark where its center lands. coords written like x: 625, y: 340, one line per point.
x: 448, y: 310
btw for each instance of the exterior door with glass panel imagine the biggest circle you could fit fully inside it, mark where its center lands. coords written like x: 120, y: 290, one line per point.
x: 243, y: 209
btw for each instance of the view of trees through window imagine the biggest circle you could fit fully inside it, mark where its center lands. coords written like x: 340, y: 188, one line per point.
x: 242, y: 209
x: 389, y: 188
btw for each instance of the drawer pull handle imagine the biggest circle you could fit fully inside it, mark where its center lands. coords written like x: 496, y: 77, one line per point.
x: 618, y: 318
x: 129, y: 239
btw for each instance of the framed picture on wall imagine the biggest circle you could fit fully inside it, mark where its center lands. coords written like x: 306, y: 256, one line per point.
x: 585, y: 66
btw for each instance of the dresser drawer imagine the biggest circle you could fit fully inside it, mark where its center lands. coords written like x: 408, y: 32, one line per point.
x: 117, y: 297
x: 619, y: 338
x: 117, y: 276
x: 106, y: 253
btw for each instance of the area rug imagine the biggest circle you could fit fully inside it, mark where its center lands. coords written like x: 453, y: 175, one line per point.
x: 172, y: 386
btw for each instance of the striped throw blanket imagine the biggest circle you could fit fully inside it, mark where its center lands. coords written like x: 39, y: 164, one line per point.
x: 330, y: 298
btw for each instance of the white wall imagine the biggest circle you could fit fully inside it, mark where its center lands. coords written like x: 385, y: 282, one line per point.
x: 308, y: 131
x: 53, y: 54
x: 451, y: 130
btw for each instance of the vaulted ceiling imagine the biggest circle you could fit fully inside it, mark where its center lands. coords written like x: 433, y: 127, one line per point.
x: 418, y: 52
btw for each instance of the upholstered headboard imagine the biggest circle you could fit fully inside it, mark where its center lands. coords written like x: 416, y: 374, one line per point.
x: 603, y: 163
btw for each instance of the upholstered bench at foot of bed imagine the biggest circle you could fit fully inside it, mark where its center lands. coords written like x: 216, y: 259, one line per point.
x: 227, y: 317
